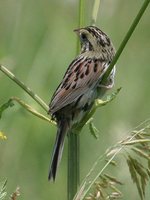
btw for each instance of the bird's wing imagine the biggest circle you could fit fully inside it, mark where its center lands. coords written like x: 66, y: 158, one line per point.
x: 82, y: 75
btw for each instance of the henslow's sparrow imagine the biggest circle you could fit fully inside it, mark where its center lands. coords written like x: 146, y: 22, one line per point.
x: 78, y: 89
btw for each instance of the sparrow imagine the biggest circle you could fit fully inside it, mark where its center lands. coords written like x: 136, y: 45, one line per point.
x: 75, y: 95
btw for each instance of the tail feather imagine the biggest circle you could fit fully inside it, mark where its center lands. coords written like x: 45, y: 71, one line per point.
x: 58, y: 149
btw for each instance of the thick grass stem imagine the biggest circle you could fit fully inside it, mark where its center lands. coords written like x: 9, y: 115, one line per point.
x: 24, y: 87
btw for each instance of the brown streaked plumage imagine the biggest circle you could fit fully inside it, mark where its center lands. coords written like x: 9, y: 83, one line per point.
x: 77, y: 91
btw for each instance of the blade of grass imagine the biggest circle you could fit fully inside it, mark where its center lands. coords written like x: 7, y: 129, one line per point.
x: 32, y: 110
x: 24, y: 87
x: 73, y: 138
x: 95, y: 171
x: 88, y: 183
x: 96, y: 5
x: 126, y: 38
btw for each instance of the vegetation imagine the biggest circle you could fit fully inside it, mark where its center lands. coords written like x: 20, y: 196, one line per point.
x: 31, y: 42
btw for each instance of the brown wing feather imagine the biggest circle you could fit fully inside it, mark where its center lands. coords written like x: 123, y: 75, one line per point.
x: 80, y: 77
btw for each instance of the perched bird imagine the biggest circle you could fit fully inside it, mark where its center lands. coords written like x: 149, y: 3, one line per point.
x: 78, y: 89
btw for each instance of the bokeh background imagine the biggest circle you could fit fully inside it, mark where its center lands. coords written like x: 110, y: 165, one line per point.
x: 37, y: 44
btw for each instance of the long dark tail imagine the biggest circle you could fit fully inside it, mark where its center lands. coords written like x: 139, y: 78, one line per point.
x: 58, y: 148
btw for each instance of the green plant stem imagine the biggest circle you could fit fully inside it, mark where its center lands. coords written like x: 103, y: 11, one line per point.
x: 126, y: 38
x: 32, y: 110
x: 96, y: 5
x: 73, y: 164
x: 24, y: 87
x: 73, y: 178
x: 122, y: 46
x: 80, y: 22
x: 112, y: 152
x: 81, y: 193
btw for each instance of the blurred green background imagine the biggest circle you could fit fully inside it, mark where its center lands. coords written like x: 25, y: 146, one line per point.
x: 37, y: 44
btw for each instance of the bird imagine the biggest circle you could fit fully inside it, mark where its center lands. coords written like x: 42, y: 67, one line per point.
x: 78, y: 90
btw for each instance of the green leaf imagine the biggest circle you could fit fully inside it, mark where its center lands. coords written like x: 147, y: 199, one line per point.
x: 26, y: 106
x: 5, y: 106
x: 94, y: 131
x: 109, y: 98
x: 32, y: 110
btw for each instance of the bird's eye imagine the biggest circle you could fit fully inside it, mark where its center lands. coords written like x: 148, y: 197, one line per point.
x: 83, y: 36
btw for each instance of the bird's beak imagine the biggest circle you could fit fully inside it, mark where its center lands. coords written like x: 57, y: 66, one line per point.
x: 77, y: 31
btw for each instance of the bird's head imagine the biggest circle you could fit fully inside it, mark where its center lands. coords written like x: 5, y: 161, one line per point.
x: 93, y: 39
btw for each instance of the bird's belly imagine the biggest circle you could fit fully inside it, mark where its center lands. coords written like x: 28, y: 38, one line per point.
x: 83, y: 106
